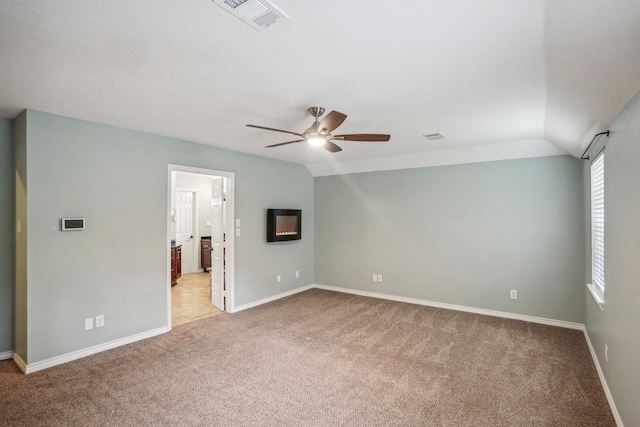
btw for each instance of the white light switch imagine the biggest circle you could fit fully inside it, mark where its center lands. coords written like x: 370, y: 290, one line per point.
x: 237, y: 222
x: 19, y: 226
x: 208, y: 223
x: 88, y: 323
x: 237, y: 232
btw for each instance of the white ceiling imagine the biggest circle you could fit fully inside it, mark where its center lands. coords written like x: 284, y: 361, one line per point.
x: 498, y: 78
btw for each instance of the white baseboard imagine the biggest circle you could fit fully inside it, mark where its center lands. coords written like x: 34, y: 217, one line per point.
x: 271, y: 298
x: 29, y: 368
x: 533, y: 319
x: 607, y: 392
x: 58, y: 360
x: 21, y: 363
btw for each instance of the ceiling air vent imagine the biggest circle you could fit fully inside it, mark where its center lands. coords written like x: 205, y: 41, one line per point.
x: 259, y: 14
x: 433, y: 136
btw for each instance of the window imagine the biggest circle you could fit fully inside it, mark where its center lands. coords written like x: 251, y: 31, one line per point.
x: 597, y: 229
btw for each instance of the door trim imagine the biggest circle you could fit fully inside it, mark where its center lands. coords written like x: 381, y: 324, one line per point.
x: 229, y: 215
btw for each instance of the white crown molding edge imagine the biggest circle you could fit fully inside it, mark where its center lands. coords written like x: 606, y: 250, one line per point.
x: 58, y: 360
x: 453, y: 156
x: 6, y: 355
x: 503, y: 314
x: 603, y: 381
x: 271, y: 298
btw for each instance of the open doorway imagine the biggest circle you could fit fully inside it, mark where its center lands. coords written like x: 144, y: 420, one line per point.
x: 200, y: 241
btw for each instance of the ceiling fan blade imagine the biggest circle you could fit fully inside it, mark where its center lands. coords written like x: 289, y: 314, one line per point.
x: 284, y: 143
x: 276, y: 130
x: 331, y: 121
x: 363, y: 137
x: 330, y: 146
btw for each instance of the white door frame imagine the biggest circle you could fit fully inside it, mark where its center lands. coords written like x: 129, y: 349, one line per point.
x: 216, y: 276
x: 229, y: 215
x: 196, y: 227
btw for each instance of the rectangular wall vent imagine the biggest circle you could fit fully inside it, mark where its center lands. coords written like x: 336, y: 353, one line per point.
x: 434, y: 136
x: 259, y: 14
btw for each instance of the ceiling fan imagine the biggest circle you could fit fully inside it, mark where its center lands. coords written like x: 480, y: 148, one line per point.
x: 319, y: 133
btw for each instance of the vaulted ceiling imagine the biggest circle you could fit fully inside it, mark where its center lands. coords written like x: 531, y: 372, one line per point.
x: 498, y: 78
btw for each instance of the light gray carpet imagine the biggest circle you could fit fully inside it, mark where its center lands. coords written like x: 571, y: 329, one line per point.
x: 321, y: 358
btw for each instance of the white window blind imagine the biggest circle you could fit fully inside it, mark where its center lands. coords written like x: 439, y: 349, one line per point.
x: 597, y: 223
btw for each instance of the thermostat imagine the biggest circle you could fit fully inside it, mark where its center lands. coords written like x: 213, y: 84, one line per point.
x: 72, y: 224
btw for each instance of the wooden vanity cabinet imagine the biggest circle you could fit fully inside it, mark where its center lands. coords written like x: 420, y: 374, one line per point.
x: 205, y: 254
x: 176, y: 264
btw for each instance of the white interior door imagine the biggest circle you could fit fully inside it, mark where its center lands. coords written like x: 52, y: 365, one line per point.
x: 217, y: 246
x: 184, y: 229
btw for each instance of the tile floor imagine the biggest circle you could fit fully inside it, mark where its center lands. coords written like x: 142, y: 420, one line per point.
x: 191, y: 299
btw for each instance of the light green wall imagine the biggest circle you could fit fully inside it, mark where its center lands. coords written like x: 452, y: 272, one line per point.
x: 618, y: 325
x: 463, y: 234
x: 117, y: 180
x: 7, y: 234
x: 20, y: 290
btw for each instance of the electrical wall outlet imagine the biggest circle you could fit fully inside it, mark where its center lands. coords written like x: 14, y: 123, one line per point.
x: 297, y: 274
x: 375, y: 277
x: 278, y: 278
x: 606, y: 352
x: 513, y: 294
x: 88, y: 323
x: 379, y: 277
x: 100, y: 321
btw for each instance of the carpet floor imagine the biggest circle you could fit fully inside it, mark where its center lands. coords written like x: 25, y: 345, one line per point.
x: 321, y: 358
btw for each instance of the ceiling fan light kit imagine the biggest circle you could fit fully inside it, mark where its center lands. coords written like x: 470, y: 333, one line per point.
x: 316, y: 140
x: 319, y: 133
x: 312, y: 136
